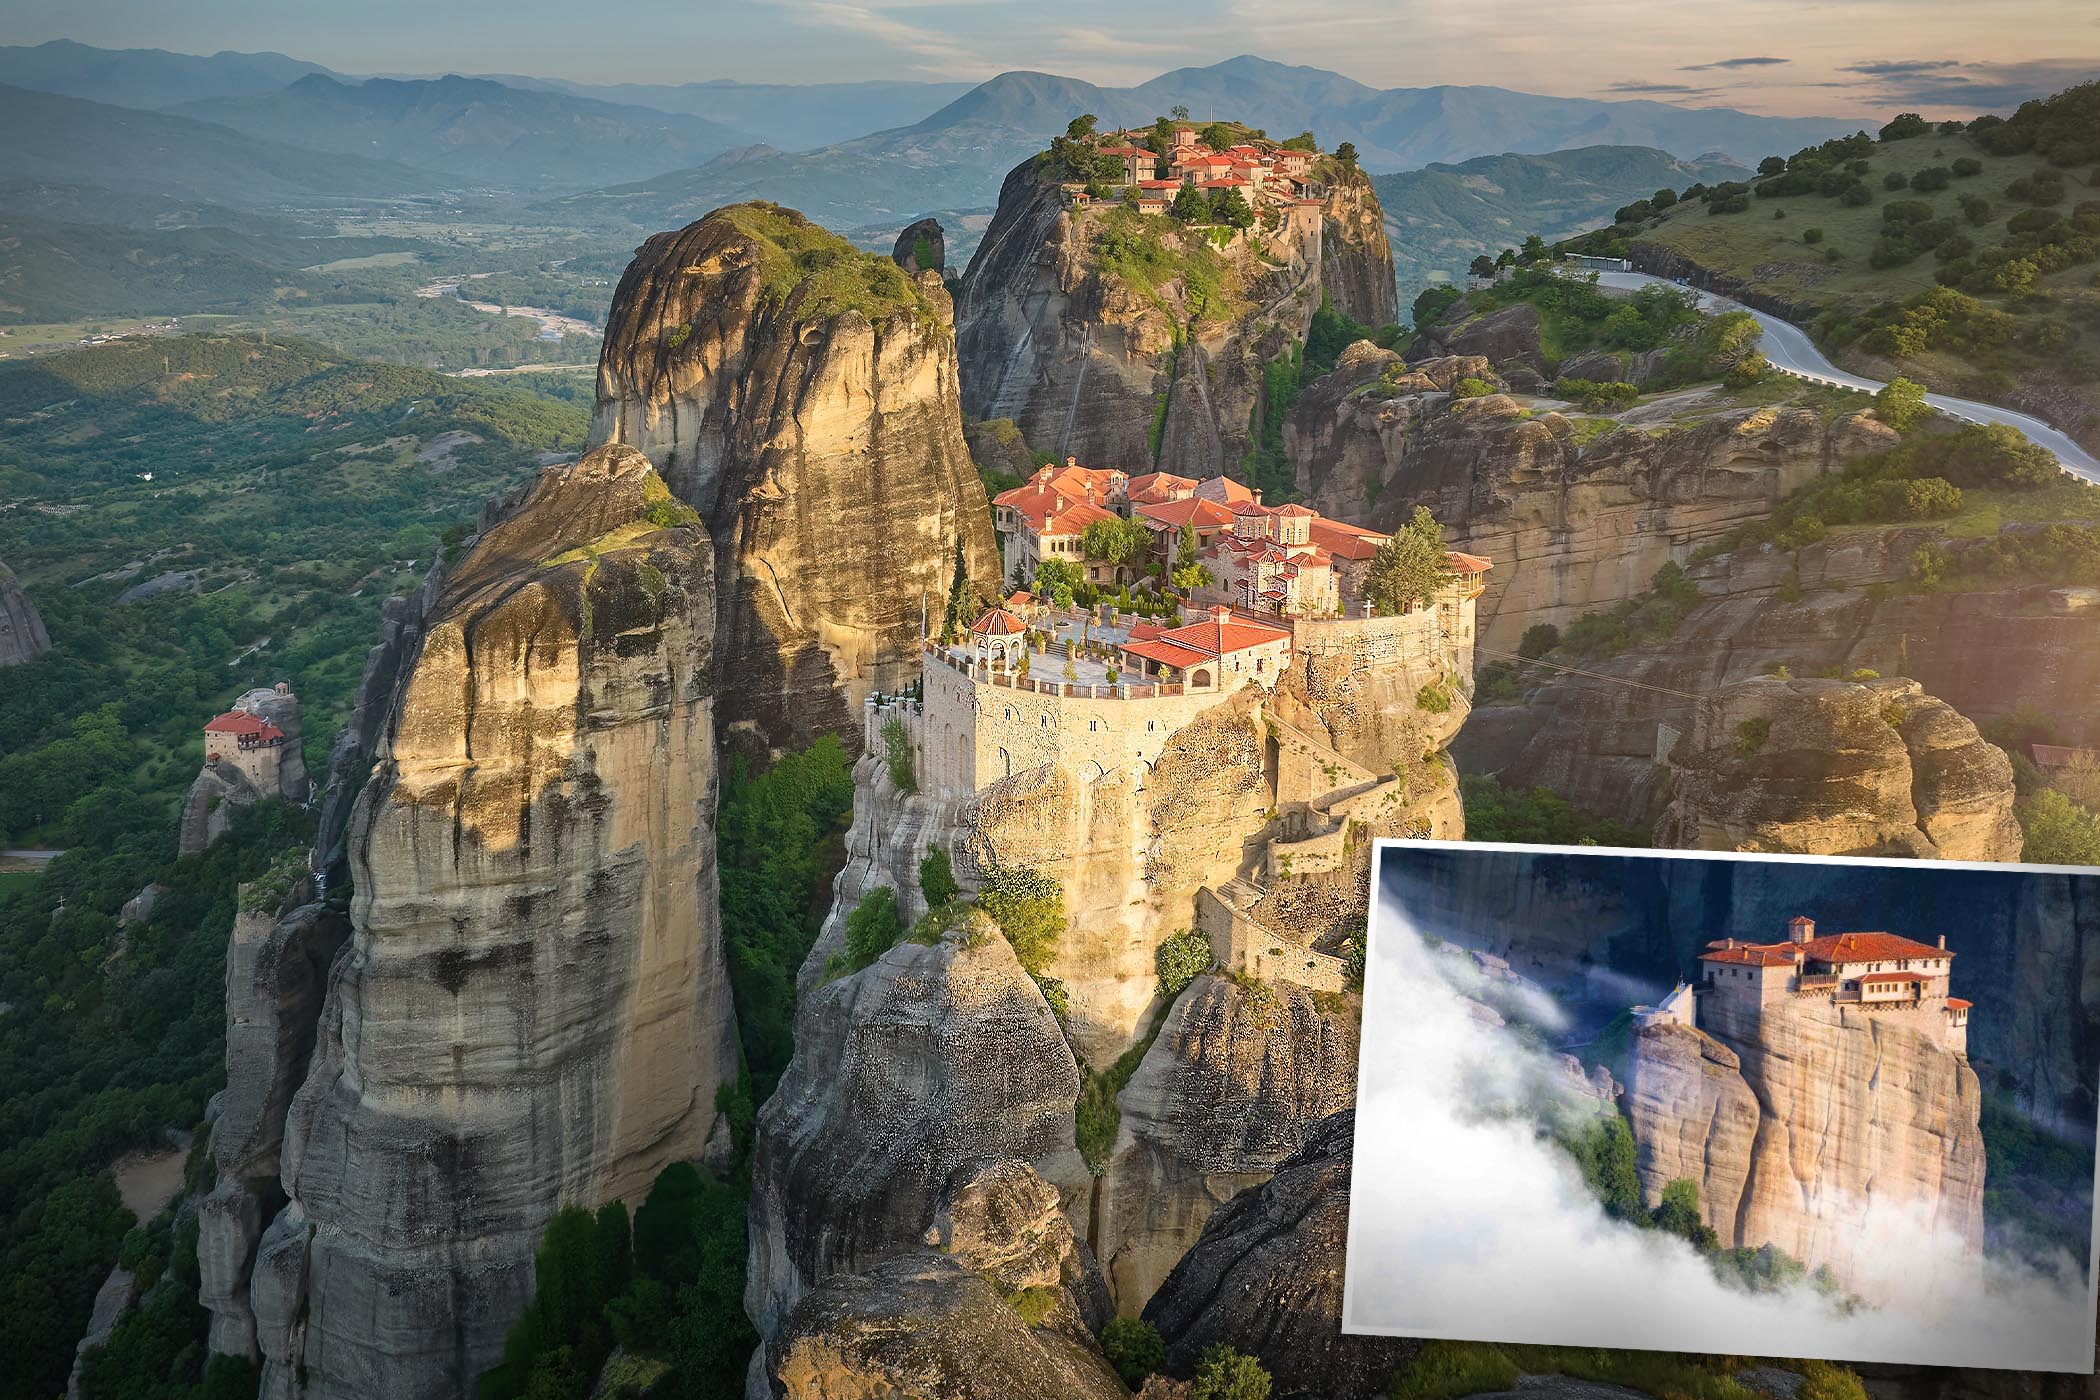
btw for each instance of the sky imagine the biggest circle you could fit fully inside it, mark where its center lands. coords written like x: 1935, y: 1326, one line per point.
x: 1783, y: 57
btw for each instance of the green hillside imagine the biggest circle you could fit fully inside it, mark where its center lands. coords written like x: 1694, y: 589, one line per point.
x: 1441, y: 217
x: 1959, y: 255
x: 292, y: 489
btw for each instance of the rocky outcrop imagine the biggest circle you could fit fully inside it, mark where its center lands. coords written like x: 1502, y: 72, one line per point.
x: 531, y: 1008
x: 1693, y: 1117
x: 1266, y: 1278
x: 1865, y: 1128
x: 1128, y: 370
x: 803, y: 396
x: 1571, y: 527
x: 1990, y: 652
x: 22, y: 634
x: 921, y: 248
x: 1236, y: 1082
x: 215, y: 795
x: 276, y: 977
x: 924, y: 1065
x: 999, y: 1302
x: 1129, y: 856
x: 1507, y: 338
x: 1826, y: 767
x: 1356, y: 259
x: 997, y: 446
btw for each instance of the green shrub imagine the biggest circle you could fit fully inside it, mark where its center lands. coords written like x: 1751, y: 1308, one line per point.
x: 1900, y: 403
x: 1033, y: 1304
x: 937, y: 884
x: 1180, y: 960
x: 1811, y: 235
x: 1433, y: 698
x: 1029, y: 907
x: 1449, y: 1370
x: 896, y: 743
x: 1471, y: 387
x: 1751, y: 734
x: 1134, y: 1347
x: 2058, y: 831
x: 1538, y: 639
x: 873, y: 927
x: 1226, y: 1373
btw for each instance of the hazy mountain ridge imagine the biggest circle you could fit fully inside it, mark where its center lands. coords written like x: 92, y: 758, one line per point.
x: 474, y: 129
x: 54, y: 139
x: 1442, y: 216
x: 955, y: 157
x: 146, y: 78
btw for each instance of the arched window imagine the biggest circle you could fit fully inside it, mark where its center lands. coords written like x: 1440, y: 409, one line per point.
x: 1199, y: 678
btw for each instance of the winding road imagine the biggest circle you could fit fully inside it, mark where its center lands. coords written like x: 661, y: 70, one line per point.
x: 1790, y: 350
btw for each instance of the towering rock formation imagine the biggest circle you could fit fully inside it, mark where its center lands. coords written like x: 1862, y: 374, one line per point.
x: 803, y: 397
x: 1127, y: 341
x: 1829, y: 767
x: 22, y: 634
x: 1570, y: 527
x: 905, y: 1074
x: 531, y: 1008
x: 1266, y: 1278
x: 1829, y: 1132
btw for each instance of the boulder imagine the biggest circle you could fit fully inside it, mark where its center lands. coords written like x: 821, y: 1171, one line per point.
x: 921, y: 248
x: 1266, y: 1278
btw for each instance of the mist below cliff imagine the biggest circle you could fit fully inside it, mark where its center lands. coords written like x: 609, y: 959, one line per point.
x: 1468, y: 1223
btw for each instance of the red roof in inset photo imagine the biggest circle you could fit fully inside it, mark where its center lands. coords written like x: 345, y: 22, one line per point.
x: 1834, y: 948
x: 1958, y: 1004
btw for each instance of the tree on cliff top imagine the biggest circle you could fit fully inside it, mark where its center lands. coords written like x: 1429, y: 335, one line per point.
x: 1410, y: 567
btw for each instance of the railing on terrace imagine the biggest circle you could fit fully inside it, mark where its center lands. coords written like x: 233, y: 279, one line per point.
x: 1075, y: 690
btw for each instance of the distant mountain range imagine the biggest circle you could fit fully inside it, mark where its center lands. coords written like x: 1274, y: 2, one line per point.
x: 149, y: 78
x: 66, y: 141
x: 1443, y: 216
x: 792, y: 117
x: 474, y: 129
x: 954, y: 158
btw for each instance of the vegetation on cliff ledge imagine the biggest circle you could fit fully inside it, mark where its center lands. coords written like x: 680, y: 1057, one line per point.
x: 818, y: 275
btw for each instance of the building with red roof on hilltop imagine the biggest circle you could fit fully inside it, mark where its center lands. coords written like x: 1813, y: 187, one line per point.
x: 1045, y: 516
x: 1870, y: 972
x: 1218, y: 650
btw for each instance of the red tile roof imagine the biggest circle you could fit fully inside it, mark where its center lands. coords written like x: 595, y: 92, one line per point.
x: 1223, y: 488
x: 1190, y: 510
x: 1343, y: 540
x: 1165, y: 652
x: 1221, y: 633
x: 1469, y: 563
x: 1160, y: 486
x: 2062, y: 756
x: 242, y: 724
x: 1833, y: 948
x: 1958, y: 1004
x: 998, y: 622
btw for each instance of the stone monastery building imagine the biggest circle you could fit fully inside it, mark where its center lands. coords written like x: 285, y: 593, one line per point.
x: 1883, y: 974
x: 1266, y: 175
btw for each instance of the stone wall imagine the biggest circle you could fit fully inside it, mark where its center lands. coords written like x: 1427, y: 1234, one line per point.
x: 1244, y: 946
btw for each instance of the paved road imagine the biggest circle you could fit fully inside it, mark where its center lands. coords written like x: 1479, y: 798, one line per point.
x: 1788, y: 347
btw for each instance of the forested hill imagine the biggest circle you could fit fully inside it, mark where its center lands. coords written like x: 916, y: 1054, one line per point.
x: 1441, y: 217
x: 1960, y: 255
x: 290, y: 491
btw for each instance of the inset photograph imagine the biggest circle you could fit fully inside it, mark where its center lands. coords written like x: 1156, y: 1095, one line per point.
x: 1749, y: 1105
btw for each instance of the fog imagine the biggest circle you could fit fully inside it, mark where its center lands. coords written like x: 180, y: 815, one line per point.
x: 1464, y: 1224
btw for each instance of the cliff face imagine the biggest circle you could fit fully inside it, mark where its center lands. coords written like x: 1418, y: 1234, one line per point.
x: 1236, y: 1082
x: 532, y: 1007
x: 1838, y: 768
x: 1865, y: 1132
x: 1356, y: 260
x: 1266, y: 1278
x: 927, y: 1062
x: 1570, y: 527
x: 804, y: 397
x: 943, y: 1321
x: 1087, y: 350
x: 1989, y: 653
x: 22, y: 634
